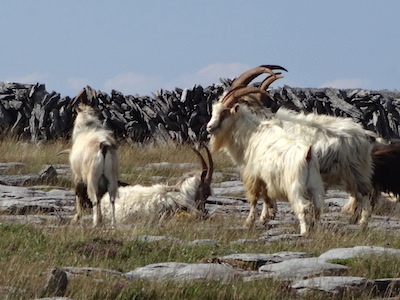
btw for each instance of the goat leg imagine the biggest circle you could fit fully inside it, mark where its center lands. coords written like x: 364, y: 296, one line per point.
x: 80, y: 194
x: 252, y: 199
x: 79, y: 209
x: 269, y: 209
x: 305, y: 212
x: 97, y: 216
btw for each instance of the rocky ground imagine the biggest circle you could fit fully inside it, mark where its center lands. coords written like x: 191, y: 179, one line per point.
x: 34, y: 205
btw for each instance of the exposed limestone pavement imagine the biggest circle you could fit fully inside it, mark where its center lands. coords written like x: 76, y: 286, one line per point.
x: 302, y: 271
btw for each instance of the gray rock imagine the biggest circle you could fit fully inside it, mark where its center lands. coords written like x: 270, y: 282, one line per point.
x: 22, y: 200
x: 5, y: 167
x: 229, y: 188
x: 358, y: 251
x: 386, y: 287
x: 154, y: 238
x: 159, y: 271
x: 206, y: 242
x: 260, y: 259
x: 334, y: 285
x: 225, y: 201
x: 182, y: 271
x: 56, y: 284
x: 207, y: 272
x: 275, y: 231
x: 301, y: 268
x: 275, y: 238
x: 19, y: 180
x: 48, y: 173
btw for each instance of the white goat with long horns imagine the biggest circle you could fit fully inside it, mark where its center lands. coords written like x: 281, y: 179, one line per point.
x: 93, y: 159
x: 159, y: 201
x: 342, y: 146
x: 272, y: 163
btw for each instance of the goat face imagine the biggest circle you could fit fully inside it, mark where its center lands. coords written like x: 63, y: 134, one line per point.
x: 202, y: 193
x: 88, y: 116
x: 221, y: 124
x: 221, y: 118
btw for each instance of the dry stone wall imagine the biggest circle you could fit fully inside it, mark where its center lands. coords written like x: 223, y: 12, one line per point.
x: 180, y: 116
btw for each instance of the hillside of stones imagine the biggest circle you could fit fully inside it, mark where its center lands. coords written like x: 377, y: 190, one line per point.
x: 179, y: 116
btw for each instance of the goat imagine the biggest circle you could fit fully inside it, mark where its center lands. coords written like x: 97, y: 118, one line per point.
x: 343, y: 147
x: 386, y: 177
x: 272, y: 164
x: 93, y: 159
x: 336, y: 141
x: 160, y: 200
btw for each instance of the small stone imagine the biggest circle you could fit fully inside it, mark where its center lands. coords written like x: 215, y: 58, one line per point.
x: 56, y: 284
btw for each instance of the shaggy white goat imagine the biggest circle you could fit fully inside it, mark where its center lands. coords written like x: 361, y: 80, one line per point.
x: 342, y: 146
x: 93, y: 159
x: 343, y: 149
x: 271, y: 163
x: 159, y: 201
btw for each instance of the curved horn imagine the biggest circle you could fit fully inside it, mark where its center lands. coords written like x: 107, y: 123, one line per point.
x: 269, y: 80
x: 275, y: 67
x: 210, y: 166
x: 203, y: 162
x: 248, y: 76
x: 233, y: 96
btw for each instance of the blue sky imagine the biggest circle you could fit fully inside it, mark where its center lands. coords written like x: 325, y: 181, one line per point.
x: 138, y: 47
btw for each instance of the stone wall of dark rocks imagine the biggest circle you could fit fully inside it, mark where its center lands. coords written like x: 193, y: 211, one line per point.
x: 179, y: 116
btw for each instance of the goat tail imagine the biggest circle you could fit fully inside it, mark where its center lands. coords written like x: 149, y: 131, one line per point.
x: 105, y: 146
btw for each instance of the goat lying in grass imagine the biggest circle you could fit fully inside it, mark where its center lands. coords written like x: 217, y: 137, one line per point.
x: 342, y: 146
x: 272, y: 163
x: 159, y: 201
x: 93, y: 159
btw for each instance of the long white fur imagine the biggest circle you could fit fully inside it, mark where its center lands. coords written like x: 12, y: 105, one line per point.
x: 271, y: 162
x: 343, y: 148
x: 94, y: 161
x: 155, y: 202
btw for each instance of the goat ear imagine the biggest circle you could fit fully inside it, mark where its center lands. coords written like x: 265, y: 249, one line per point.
x: 235, y: 108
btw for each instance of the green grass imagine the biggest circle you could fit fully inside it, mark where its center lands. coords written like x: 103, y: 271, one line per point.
x: 27, y: 253
x: 132, y: 157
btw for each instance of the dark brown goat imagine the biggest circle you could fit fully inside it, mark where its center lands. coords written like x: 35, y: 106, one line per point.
x: 386, y: 177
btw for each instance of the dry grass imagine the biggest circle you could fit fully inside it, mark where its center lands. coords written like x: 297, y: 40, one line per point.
x: 29, y: 252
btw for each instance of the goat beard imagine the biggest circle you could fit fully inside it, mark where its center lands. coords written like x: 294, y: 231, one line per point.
x: 216, y: 143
